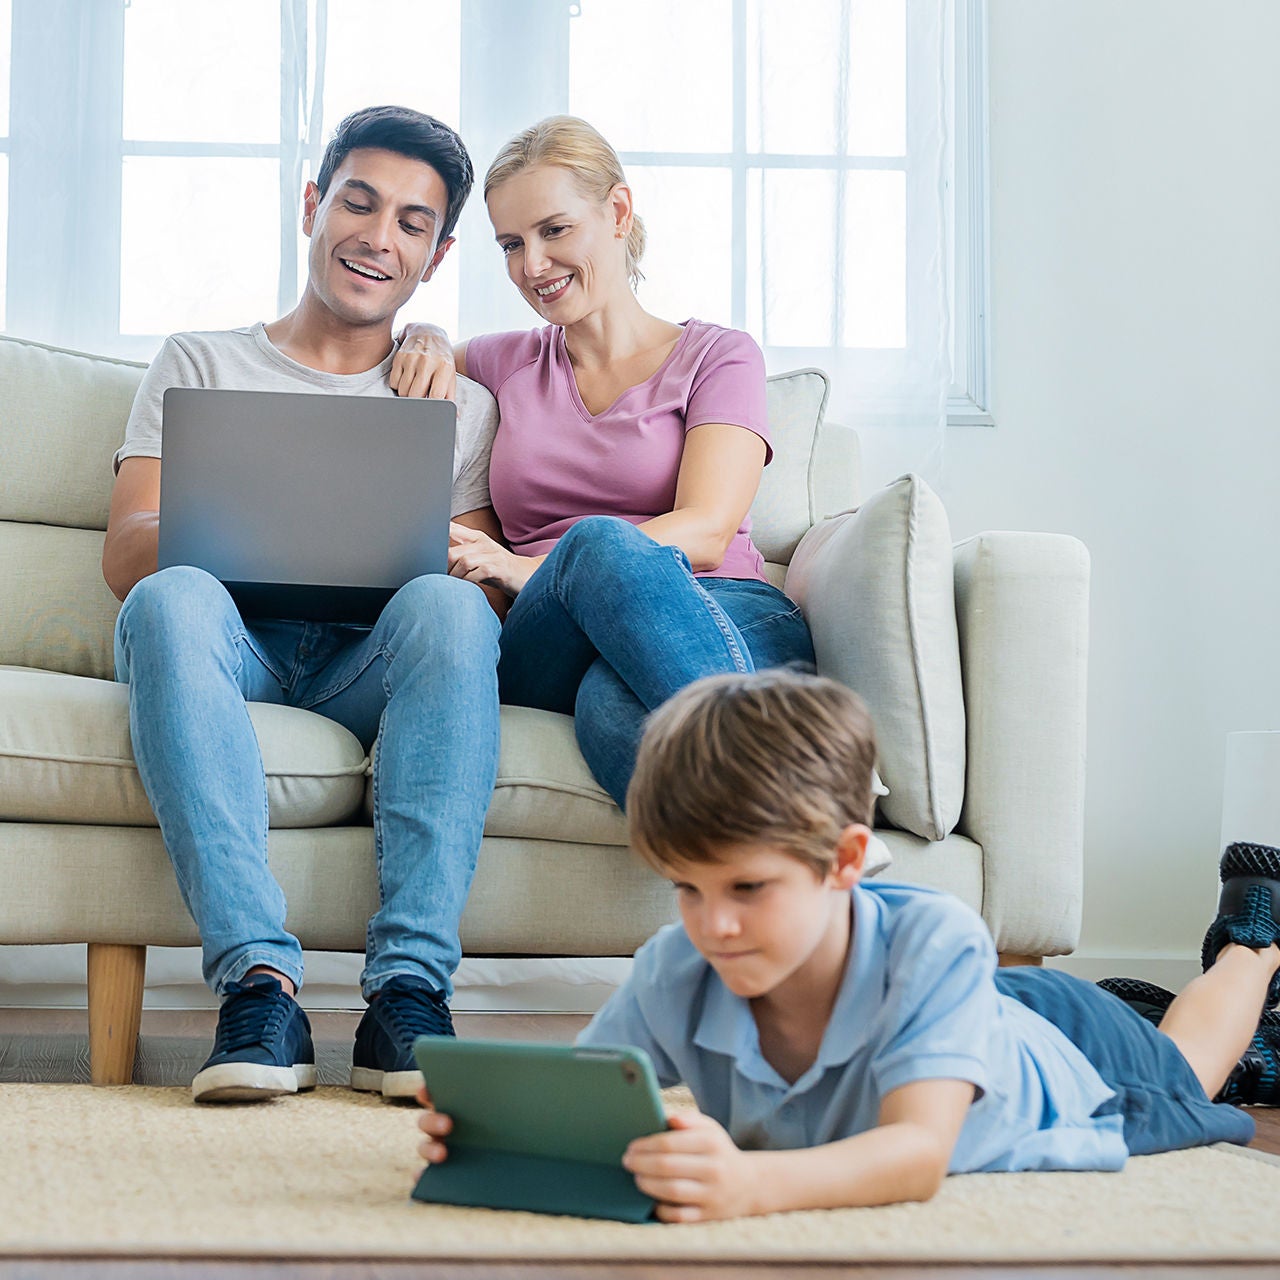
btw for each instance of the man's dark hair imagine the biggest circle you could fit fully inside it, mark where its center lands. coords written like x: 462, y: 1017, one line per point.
x: 408, y: 133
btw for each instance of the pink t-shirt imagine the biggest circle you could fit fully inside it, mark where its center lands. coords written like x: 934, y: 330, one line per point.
x: 553, y: 462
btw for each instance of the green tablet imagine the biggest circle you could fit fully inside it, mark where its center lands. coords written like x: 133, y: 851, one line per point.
x: 540, y: 1127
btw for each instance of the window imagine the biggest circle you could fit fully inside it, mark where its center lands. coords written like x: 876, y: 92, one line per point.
x: 781, y: 187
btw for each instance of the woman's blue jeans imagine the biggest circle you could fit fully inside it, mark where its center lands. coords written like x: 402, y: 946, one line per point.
x: 422, y: 681
x: 612, y: 624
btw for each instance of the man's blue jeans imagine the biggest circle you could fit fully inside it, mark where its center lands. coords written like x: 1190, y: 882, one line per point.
x: 422, y: 681
x: 612, y: 624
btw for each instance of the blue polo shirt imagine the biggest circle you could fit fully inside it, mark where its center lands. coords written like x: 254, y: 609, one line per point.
x: 918, y: 1002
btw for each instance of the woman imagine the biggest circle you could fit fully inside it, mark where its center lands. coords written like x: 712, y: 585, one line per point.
x: 628, y: 455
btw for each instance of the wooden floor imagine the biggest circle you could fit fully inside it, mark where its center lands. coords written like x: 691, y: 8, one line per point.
x: 51, y: 1046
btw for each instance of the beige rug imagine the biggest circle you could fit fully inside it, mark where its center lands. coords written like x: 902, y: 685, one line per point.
x: 143, y: 1171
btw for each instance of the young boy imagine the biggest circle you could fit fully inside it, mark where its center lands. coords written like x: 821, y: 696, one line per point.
x: 852, y: 1043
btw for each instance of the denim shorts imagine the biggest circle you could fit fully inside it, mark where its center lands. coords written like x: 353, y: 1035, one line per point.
x: 1163, y: 1104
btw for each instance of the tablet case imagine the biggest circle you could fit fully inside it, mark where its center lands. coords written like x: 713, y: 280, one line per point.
x: 539, y: 1127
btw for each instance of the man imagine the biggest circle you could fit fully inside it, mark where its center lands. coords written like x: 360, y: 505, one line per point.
x: 422, y: 680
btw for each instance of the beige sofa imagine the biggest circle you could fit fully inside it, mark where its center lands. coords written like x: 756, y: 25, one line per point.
x: 972, y: 660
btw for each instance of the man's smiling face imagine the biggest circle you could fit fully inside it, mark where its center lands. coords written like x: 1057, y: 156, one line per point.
x: 373, y: 234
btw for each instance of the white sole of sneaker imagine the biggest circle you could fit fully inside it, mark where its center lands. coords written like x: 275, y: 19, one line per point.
x: 391, y: 1084
x: 251, y: 1082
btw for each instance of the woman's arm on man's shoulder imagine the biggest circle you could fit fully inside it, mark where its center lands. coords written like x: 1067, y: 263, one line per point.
x: 426, y: 364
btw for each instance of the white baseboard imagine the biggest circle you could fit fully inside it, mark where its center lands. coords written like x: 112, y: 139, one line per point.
x: 54, y: 978
x: 1169, y: 969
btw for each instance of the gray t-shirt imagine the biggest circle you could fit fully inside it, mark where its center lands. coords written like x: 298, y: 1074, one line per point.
x: 246, y: 360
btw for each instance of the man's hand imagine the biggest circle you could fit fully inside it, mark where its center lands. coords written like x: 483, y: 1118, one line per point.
x: 423, y: 364
x: 694, y: 1171
x: 436, y: 1125
x: 475, y: 556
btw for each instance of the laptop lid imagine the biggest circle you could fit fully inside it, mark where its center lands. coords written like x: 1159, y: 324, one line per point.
x: 317, y: 507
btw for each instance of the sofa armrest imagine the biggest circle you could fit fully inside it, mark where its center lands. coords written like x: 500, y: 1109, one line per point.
x: 1022, y: 604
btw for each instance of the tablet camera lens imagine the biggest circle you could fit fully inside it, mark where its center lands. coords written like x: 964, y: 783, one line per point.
x: 629, y: 1073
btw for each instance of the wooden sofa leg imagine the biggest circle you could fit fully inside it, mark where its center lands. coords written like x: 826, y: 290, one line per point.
x: 116, y: 974
x: 1008, y: 960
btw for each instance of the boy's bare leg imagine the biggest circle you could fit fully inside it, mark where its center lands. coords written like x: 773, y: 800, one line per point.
x: 1213, y: 1019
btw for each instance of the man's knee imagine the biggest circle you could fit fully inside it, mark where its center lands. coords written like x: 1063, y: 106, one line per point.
x: 440, y: 614
x: 178, y: 601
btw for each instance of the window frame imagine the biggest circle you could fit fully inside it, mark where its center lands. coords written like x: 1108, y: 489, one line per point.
x: 969, y: 403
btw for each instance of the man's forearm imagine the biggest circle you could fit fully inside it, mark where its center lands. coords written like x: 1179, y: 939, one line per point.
x: 885, y: 1165
x: 131, y: 552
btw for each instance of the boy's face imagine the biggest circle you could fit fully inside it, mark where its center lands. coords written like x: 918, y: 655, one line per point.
x: 374, y: 234
x: 761, y: 918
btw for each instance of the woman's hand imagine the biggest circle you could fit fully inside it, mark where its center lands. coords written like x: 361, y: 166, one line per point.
x: 423, y: 364
x: 694, y: 1171
x: 475, y: 556
x: 436, y: 1125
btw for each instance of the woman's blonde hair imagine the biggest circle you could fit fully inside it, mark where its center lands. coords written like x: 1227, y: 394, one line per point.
x: 778, y: 757
x: 571, y: 144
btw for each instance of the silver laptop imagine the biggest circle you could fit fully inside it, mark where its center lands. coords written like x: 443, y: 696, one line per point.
x: 316, y: 507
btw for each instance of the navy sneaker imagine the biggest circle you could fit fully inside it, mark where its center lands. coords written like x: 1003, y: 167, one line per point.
x: 263, y: 1047
x: 404, y: 1009
x: 1254, y: 1080
x: 1249, y: 908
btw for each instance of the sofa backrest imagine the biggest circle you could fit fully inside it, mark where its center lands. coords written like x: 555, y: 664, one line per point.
x: 62, y: 416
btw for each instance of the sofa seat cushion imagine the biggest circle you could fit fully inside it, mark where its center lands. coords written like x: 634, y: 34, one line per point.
x: 546, y: 792
x: 65, y: 756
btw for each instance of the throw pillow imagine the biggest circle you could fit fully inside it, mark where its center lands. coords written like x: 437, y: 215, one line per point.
x: 877, y: 589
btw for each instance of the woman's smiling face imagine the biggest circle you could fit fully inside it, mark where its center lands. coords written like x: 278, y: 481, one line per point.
x: 565, y: 252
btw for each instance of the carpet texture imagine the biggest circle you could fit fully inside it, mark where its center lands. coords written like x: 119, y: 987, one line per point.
x: 141, y: 1171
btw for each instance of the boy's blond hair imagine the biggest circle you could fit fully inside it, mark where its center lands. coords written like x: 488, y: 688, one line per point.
x: 777, y: 758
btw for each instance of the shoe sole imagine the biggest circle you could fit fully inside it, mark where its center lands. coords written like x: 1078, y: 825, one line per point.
x: 391, y: 1084
x: 251, y: 1082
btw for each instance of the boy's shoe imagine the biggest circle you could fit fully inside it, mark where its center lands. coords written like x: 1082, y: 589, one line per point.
x: 1254, y: 1080
x: 404, y: 1009
x: 1249, y: 908
x: 1142, y: 997
x: 263, y: 1047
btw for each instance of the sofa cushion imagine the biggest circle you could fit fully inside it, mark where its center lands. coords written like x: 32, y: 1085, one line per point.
x: 784, y: 507
x: 56, y: 612
x: 877, y: 588
x: 64, y: 416
x: 65, y: 756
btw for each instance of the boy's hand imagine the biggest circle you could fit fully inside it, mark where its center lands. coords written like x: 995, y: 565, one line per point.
x: 694, y: 1171
x: 436, y: 1125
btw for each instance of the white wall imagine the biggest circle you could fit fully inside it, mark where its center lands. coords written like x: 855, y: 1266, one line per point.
x: 1135, y: 232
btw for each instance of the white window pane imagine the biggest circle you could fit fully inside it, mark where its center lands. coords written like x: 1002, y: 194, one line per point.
x: 6, y: 36
x: 792, y: 256
x: 875, y: 260
x: 417, y: 62
x: 657, y: 76
x: 200, y: 72
x: 199, y: 243
x: 877, y: 120
x: 688, y: 258
x: 793, y: 76
x: 4, y: 234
